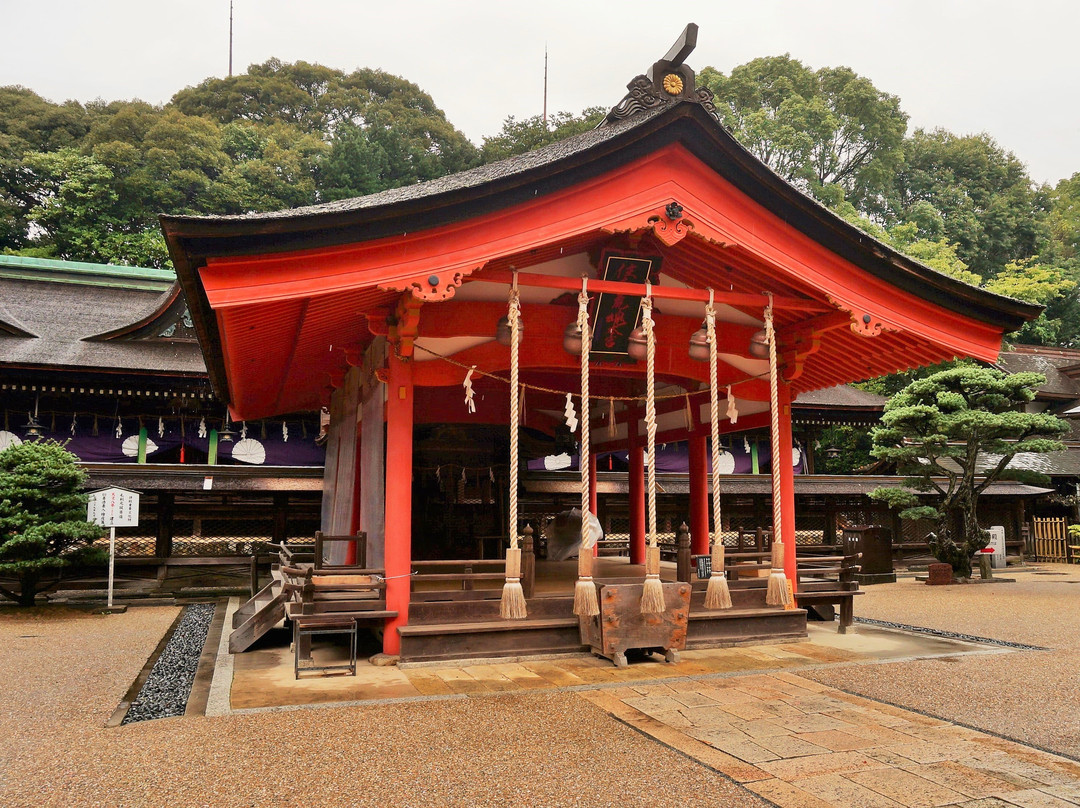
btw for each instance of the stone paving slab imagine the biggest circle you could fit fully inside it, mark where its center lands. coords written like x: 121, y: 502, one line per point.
x: 862, y: 754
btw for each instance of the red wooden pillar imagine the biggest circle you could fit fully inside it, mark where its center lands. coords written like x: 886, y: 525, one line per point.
x: 699, y: 495
x: 782, y: 466
x: 398, y: 531
x: 592, y: 495
x: 637, y: 503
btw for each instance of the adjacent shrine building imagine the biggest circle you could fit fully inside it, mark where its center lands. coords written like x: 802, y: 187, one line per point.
x: 381, y: 306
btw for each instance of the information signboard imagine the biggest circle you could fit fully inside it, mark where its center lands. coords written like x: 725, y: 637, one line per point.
x: 113, y: 507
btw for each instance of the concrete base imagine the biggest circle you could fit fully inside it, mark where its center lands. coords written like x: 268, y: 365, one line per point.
x: 876, y: 578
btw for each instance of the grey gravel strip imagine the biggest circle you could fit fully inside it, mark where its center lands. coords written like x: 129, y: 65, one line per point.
x: 950, y: 635
x: 166, y: 690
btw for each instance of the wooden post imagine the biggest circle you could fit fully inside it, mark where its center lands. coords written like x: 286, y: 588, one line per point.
x: 165, y: 510
x: 782, y: 466
x: 254, y: 571
x: 398, y: 512
x: 699, y: 495
x: 682, y: 559
x: 592, y: 496
x: 281, y: 518
x: 829, y: 533
x: 637, y: 504
x: 528, y: 561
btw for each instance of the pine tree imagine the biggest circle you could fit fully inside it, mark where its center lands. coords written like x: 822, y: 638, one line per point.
x: 953, y: 434
x: 43, y: 525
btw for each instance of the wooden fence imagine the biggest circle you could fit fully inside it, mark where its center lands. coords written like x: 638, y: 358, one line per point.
x: 1050, y: 539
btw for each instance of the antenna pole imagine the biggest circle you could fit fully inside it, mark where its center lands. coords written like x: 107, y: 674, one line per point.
x: 545, y: 82
x: 230, y: 37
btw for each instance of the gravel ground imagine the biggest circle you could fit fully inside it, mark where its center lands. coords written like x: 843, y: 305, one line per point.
x: 64, y: 672
x: 1032, y: 696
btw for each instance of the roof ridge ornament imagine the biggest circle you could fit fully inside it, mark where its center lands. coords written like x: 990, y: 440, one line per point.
x: 669, y: 79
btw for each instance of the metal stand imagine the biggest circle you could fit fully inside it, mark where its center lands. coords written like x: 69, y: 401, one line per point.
x: 301, y: 631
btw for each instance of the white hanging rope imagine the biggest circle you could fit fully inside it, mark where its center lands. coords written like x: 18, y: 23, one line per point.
x: 512, y: 604
x: 514, y: 316
x: 776, y: 593
x: 774, y: 413
x: 583, y: 454
x: 714, y: 413
x: 585, y: 601
x: 650, y: 407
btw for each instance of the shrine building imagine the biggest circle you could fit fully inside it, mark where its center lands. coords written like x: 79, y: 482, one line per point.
x: 398, y: 311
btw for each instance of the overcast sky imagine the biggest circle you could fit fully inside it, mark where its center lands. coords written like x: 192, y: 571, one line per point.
x: 1011, y: 69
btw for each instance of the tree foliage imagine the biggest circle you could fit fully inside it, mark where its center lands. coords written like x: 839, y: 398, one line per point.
x: 816, y: 128
x: 517, y: 137
x: 43, y: 525
x: 87, y: 183
x: 953, y: 434
x: 971, y: 192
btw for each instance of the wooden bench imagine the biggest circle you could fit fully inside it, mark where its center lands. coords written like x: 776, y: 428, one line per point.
x: 830, y: 580
x: 331, y: 601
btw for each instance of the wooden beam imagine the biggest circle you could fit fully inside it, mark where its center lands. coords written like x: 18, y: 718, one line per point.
x: 658, y: 292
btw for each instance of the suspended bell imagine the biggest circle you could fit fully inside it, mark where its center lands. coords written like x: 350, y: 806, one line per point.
x: 638, y: 346
x: 571, y: 339
x: 699, y: 344
x: 759, y: 346
x: 502, y: 331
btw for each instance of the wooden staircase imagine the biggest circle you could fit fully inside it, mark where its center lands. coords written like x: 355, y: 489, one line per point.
x: 258, y: 615
x: 465, y: 629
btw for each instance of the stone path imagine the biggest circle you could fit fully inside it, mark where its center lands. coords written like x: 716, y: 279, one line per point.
x: 743, y: 712
x: 800, y: 744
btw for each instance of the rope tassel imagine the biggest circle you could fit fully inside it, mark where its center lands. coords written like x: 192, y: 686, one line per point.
x: 512, y: 604
x: 585, y: 601
x: 718, y: 595
x: 777, y: 592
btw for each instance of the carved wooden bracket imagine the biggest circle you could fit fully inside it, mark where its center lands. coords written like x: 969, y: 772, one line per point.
x: 794, y: 356
x: 864, y: 323
x: 354, y: 355
x: 405, y: 324
x: 668, y: 230
x: 431, y: 286
x: 867, y: 325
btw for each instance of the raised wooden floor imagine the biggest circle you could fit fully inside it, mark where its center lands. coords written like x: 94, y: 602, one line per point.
x: 472, y: 629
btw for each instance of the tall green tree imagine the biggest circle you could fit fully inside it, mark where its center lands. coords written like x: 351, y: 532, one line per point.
x: 43, y: 525
x: 829, y: 127
x: 519, y: 136
x: 973, y: 193
x: 953, y: 434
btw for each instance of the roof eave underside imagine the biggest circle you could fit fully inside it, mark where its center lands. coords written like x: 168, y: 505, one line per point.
x: 192, y: 240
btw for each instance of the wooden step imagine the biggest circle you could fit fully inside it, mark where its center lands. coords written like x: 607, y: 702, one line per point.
x: 722, y: 628
x: 483, y: 610
x: 489, y: 638
x: 492, y: 625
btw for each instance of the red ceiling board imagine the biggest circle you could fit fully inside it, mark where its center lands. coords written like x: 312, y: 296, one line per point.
x: 279, y: 314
